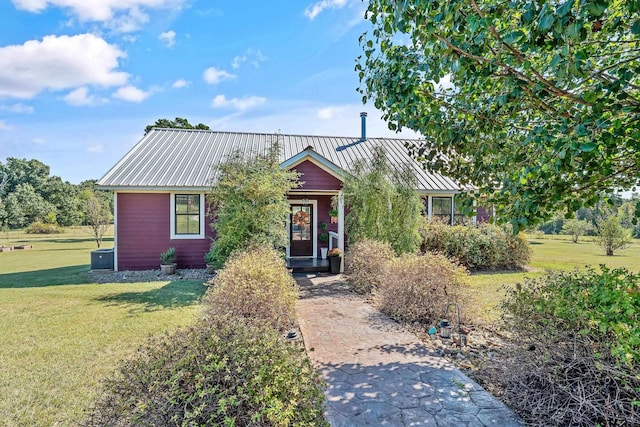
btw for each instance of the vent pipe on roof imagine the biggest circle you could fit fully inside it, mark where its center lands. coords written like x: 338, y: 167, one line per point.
x: 363, y: 127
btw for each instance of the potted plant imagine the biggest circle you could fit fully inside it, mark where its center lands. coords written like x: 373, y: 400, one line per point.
x: 210, y: 261
x: 168, y: 261
x: 335, y: 260
x: 333, y: 213
x: 324, y: 238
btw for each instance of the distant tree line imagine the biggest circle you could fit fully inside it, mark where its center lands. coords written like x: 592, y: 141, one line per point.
x: 29, y: 194
x: 588, y: 220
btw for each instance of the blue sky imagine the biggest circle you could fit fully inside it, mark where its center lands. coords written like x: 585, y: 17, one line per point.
x: 80, y: 79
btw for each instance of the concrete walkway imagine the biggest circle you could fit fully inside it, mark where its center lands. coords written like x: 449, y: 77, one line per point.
x: 380, y: 375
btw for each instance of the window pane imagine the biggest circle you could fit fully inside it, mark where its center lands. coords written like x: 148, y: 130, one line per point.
x: 442, y: 205
x: 187, y: 214
x: 182, y: 201
x: 441, y: 208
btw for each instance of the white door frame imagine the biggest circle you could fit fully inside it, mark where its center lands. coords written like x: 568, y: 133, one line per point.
x: 314, y: 204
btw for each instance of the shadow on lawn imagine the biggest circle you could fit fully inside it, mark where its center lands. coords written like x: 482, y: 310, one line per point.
x: 72, y: 275
x: 175, y: 294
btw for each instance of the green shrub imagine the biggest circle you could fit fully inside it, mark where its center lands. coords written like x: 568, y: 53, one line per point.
x: 417, y: 288
x: 575, y: 348
x: 479, y: 247
x: 168, y: 257
x: 42, y: 228
x: 226, y: 372
x: 250, y: 203
x: 254, y: 283
x: 365, y: 262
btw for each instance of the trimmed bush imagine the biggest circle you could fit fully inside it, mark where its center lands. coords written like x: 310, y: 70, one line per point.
x: 417, y: 288
x: 482, y: 247
x: 226, y: 372
x: 575, y: 351
x: 42, y: 228
x: 254, y: 283
x: 365, y: 262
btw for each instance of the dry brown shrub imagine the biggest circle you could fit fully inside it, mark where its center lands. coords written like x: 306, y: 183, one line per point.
x: 417, y: 288
x: 365, y: 263
x: 254, y: 284
x: 565, y: 381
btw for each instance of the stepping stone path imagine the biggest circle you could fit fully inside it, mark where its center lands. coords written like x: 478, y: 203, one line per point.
x: 378, y: 374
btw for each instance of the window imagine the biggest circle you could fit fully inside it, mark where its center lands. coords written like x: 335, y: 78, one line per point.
x: 441, y: 209
x: 187, y: 216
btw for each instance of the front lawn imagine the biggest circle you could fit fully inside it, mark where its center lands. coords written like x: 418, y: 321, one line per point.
x: 61, y: 334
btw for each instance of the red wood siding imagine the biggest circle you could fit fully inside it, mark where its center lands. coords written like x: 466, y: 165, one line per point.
x: 315, y: 178
x: 144, y: 222
x: 482, y: 214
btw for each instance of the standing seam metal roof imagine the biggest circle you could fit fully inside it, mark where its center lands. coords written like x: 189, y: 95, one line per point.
x: 186, y: 158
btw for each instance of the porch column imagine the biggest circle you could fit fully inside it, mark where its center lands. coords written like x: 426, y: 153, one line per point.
x: 341, y: 226
x: 115, y: 231
x: 429, y: 208
x: 453, y: 209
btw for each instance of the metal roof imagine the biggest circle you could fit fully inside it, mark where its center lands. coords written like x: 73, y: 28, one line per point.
x: 186, y: 159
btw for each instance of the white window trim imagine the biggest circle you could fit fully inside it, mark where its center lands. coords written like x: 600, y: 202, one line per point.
x: 175, y: 236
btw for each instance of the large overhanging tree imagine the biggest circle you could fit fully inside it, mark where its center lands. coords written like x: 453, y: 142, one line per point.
x: 537, y: 103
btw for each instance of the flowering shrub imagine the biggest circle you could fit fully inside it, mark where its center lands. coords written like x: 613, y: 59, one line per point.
x: 334, y: 252
x: 476, y: 247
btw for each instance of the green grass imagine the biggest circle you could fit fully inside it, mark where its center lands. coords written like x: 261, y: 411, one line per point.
x: 61, y: 334
x: 549, y: 253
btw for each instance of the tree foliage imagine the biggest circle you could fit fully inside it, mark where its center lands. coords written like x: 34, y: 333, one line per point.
x: 249, y: 203
x: 611, y: 236
x: 28, y: 194
x: 97, y: 216
x: 575, y: 228
x: 177, y: 123
x: 537, y: 103
x: 383, y: 204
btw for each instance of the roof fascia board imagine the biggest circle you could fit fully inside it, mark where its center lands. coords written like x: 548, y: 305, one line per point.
x: 121, y: 189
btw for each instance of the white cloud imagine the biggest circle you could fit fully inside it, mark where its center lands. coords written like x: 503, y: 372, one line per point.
x: 240, y: 104
x: 131, y: 94
x: 315, y: 9
x: 97, y: 148
x: 238, y: 60
x: 19, y: 108
x: 328, y: 113
x: 81, y: 97
x: 58, y: 63
x: 4, y: 125
x: 130, y: 38
x: 180, y: 83
x: 254, y: 56
x: 213, y: 76
x: 123, y: 15
x: 168, y: 37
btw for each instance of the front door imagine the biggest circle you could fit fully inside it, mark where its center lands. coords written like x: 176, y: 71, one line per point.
x: 301, y: 231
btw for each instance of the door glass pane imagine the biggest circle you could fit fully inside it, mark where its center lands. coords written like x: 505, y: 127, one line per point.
x: 301, y: 223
